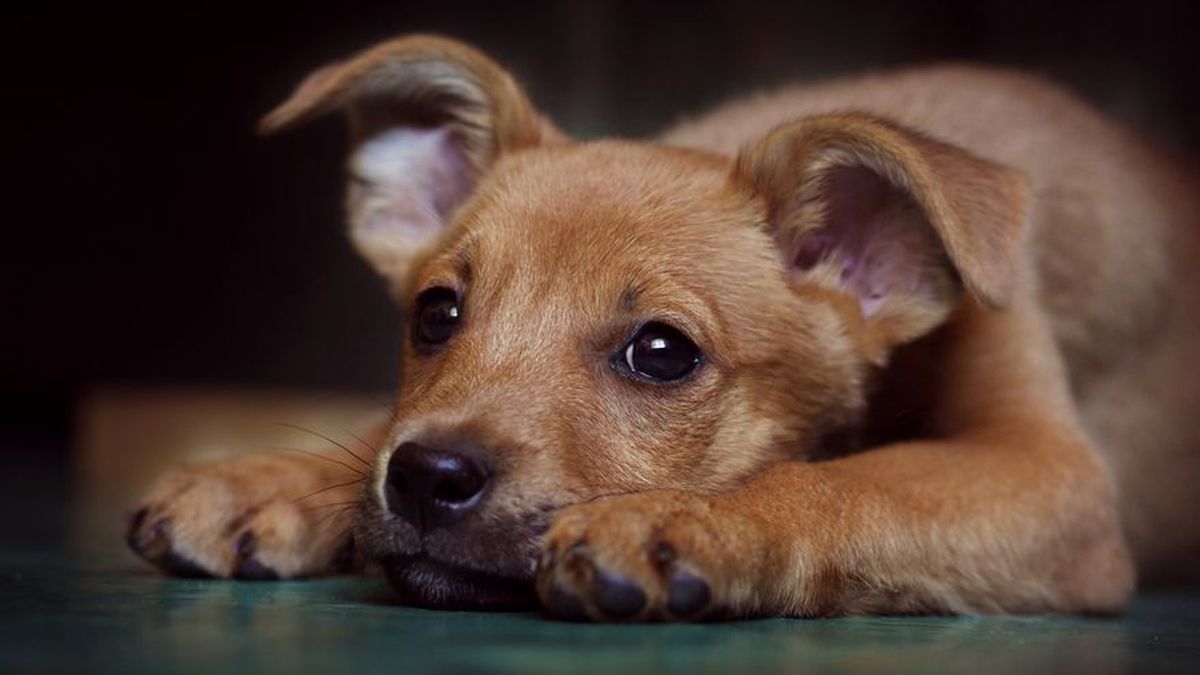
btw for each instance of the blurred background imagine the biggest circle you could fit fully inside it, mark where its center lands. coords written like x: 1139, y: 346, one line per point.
x: 158, y: 245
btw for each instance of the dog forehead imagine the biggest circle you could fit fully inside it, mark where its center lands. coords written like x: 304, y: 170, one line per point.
x: 605, y: 187
x: 605, y: 204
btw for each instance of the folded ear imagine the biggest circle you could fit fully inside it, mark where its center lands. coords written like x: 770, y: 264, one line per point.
x: 893, y: 218
x: 428, y: 116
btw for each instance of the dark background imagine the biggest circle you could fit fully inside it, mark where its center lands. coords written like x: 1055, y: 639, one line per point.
x: 155, y: 240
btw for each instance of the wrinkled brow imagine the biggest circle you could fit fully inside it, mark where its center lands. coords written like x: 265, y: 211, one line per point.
x: 630, y: 296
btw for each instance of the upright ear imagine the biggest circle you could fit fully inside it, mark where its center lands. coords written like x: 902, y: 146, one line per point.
x: 428, y: 116
x: 898, y: 221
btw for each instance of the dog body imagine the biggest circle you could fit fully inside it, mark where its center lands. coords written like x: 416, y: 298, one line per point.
x: 1112, y: 244
x: 796, y: 358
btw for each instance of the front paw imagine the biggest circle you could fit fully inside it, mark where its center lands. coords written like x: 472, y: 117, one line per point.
x: 663, y: 555
x: 245, y: 518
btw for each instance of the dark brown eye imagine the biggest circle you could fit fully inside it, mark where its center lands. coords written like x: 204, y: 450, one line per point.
x: 660, y: 353
x: 437, y: 316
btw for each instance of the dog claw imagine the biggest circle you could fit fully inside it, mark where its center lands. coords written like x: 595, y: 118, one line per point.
x: 153, y: 544
x: 180, y: 566
x: 687, y: 594
x: 618, y: 596
x: 135, y: 525
x: 563, y: 604
x: 249, y: 567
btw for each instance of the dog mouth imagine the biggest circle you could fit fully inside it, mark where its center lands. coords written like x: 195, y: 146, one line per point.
x: 422, y: 581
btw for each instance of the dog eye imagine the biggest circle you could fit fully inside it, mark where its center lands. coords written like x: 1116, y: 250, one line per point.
x: 437, y: 317
x: 661, y: 353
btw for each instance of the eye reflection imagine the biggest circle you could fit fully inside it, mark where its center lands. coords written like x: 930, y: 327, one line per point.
x: 660, y: 353
x: 437, y: 316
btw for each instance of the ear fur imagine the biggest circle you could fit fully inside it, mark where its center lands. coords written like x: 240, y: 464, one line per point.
x: 916, y: 213
x: 428, y: 116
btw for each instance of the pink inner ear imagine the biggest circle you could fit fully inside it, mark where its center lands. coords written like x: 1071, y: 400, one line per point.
x: 875, y: 235
x: 413, y: 179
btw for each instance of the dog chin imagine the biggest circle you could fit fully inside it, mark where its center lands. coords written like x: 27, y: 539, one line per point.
x: 422, y: 581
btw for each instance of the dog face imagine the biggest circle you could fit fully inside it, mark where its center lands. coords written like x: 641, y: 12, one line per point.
x: 609, y: 317
x: 613, y: 330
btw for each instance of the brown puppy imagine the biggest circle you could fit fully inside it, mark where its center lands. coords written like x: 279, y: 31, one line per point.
x: 920, y: 342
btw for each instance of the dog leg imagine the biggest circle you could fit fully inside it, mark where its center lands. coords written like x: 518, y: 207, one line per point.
x: 262, y: 516
x: 965, y: 526
x: 1011, y: 509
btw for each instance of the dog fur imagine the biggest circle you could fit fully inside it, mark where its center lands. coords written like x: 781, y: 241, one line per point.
x: 949, y: 327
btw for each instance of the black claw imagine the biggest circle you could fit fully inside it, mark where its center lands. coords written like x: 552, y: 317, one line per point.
x: 153, y: 542
x: 133, y: 533
x: 245, y: 545
x: 252, y: 569
x: 617, y: 596
x: 180, y: 566
x: 248, y: 566
x: 135, y: 525
x: 687, y: 594
x: 157, y: 548
x: 564, y: 605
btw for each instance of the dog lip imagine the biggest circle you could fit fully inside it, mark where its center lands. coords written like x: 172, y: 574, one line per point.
x: 422, y: 581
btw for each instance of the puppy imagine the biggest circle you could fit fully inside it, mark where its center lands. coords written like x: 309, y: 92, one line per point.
x: 917, y: 342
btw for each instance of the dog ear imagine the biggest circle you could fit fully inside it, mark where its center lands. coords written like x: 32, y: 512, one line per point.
x: 428, y: 117
x: 893, y: 218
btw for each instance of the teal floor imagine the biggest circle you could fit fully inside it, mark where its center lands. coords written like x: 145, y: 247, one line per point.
x: 71, y: 607
x: 120, y: 618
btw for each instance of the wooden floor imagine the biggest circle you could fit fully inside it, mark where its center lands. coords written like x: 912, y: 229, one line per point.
x: 73, y: 600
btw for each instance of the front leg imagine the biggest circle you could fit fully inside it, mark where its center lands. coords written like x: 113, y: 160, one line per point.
x: 260, y: 516
x: 962, y: 527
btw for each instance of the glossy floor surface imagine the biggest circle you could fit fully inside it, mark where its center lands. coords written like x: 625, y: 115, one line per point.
x: 73, y: 600
x: 60, y: 616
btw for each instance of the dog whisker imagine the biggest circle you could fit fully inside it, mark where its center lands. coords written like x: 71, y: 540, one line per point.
x: 327, y: 438
x: 322, y: 507
x: 360, y: 439
x: 344, y: 510
x: 328, y: 488
x: 389, y: 408
x: 283, y: 448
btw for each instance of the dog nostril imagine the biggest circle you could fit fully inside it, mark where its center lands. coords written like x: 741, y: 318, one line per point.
x: 432, y: 488
x: 397, y: 481
x: 458, y: 481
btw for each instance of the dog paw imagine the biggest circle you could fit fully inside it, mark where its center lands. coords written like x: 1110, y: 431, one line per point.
x: 255, y: 517
x: 662, y: 555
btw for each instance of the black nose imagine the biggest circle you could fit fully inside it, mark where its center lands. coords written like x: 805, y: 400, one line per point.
x: 433, y: 488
